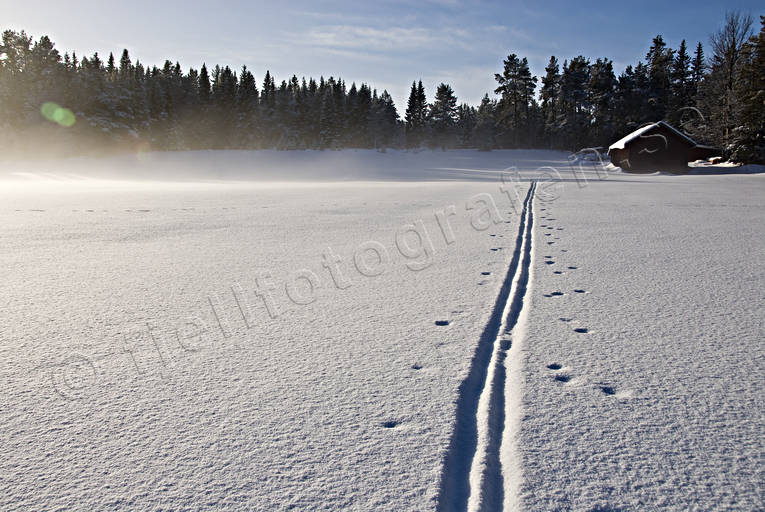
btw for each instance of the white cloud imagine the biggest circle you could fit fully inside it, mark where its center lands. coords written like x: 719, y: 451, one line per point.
x: 389, y: 38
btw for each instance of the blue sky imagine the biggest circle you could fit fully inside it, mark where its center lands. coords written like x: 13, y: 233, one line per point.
x: 387, y: 43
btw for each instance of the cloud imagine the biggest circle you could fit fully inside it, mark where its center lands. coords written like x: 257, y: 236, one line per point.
x: 385, y: 39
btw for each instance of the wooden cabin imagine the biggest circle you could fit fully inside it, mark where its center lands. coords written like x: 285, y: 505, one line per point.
x: 657, y: 147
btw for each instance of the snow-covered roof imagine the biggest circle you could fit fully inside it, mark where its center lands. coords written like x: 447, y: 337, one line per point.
x: 621, y: 143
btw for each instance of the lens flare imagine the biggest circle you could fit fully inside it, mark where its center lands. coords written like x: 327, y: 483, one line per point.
x: 58, y: 114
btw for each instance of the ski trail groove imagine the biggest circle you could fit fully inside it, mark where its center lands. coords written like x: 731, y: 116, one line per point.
x: 472, y: 477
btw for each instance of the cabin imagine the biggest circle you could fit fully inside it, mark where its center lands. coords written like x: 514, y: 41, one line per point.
x: 657, y: 147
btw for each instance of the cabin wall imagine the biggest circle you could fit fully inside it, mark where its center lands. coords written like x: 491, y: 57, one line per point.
x: 620, y: 158
x: 698, y: 153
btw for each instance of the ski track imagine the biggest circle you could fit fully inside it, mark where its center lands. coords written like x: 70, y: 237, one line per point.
x: 473, y: 477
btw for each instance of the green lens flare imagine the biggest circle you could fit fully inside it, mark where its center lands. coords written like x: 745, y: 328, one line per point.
x: 57, y: 114
x: 48, y: 110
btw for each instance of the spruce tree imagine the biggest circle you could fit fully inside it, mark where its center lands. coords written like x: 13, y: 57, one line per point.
x: 443, y: 116
x: 414, y: 116
x: 659, y: 60
x: 681, y: 86
x: 111, y: 69
x: 485, y: 126
x: 126, y: 67
x: 204, y: 85
x: 600, y: 93
x: 698, y: 68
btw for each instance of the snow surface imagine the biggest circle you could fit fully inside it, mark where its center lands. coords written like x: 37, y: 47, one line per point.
x: 393, y: 391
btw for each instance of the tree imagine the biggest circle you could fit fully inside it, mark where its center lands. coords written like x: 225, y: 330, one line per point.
x: 246, y: 106
x: 659, y: 61
x: 719, y: 87
x: 698, y: 68
x: 574, y: 105
x: 329, y: 134
x: 748, y: 140
x: 443, y: 116
x: 465, y: 125
x: 516, y: 90
x: 111, y: 68
x: 485, y: 126
x: 681, y: 86
x: 549, y: 94
x: 204, y: 85
x: 600, y: 95
x: 383, y: 121
x: 415, y: 116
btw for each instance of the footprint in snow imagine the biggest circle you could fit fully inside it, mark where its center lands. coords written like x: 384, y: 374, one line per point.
x: 442, y: 322
x: 579, y: 291
x: 557, y: 272
x: 554, y: 366
x: 582, y: 330
x: 549, y: 262
x: 390, y: 424
x: 572, y: 268
x: 485, y: 273
x: 416, y: 366
x: 562, y: 377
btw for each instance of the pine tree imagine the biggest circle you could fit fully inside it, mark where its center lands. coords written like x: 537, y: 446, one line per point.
x: 516, y: 88
x: 549, y: 94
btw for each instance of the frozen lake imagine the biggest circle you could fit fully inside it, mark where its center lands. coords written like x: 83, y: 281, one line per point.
x: 367, y: 331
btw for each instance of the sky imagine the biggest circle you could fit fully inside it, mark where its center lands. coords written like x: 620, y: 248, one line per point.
x: 386, y: 43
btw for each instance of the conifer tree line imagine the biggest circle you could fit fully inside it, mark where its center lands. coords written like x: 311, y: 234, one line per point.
x: 719, y: 100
